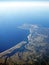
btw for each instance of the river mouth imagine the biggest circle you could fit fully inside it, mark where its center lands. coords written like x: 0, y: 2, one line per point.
x: 12, y: 37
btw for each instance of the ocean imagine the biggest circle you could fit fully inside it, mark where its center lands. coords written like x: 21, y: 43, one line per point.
x: 9, y: 37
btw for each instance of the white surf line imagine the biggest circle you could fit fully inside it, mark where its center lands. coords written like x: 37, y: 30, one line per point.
x: 13, y: 48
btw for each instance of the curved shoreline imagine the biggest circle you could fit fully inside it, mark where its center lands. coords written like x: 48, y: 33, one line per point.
x: 13, y: 48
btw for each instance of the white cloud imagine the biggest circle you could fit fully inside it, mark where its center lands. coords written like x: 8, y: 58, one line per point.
x: 22, y: 4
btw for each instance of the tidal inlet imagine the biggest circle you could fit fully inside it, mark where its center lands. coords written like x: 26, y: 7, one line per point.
x: 24, y: 33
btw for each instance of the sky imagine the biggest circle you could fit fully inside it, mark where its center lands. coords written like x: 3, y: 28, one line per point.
x: 24, y: 10
x: 24, y: 0
x: 13, y: 13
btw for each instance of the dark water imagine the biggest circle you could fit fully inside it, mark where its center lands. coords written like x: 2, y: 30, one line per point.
x: 11, y: 36
x: 12, y: 18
